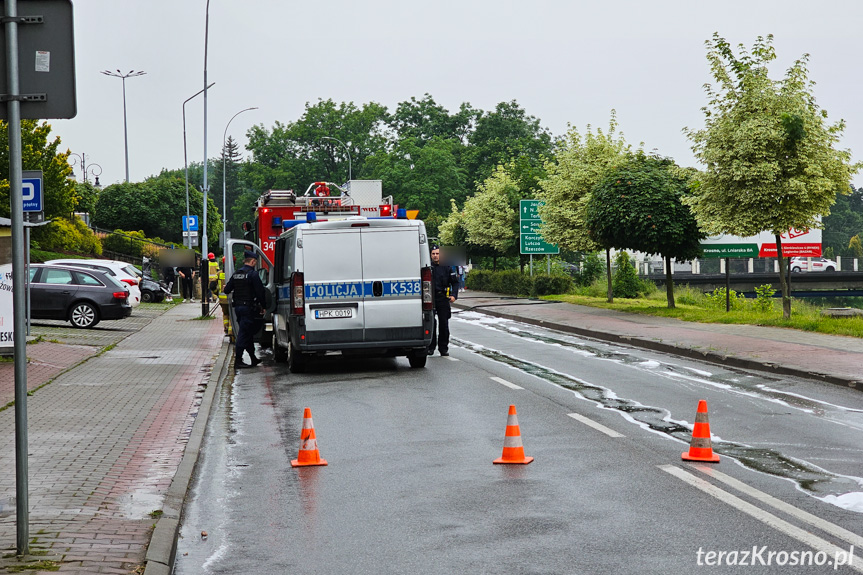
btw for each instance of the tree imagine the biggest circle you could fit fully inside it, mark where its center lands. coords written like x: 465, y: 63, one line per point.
x: 422, y: 120
x: 86, y: 195
x: 156, y: 207
x: 637, y: 206
x: 770, y: 159
x: 581, y: 162
x: 505, y: 134
x: 845, y: 220
x: 37, y: 153
x: 452, y: 231
x: 489, y: 218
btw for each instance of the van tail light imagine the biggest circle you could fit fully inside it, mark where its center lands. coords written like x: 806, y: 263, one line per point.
x: 426, y: 277
x: 121, y: 295
x: 298, y: 300
x: 130, y: 281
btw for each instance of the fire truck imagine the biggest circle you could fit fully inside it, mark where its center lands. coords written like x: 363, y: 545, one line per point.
x: 278, y: 210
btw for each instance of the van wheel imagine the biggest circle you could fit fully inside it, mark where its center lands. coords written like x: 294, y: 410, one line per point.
x: 296, y: 361
x: 280, y: 354
x: 796, y: 269
x: 417, y: 359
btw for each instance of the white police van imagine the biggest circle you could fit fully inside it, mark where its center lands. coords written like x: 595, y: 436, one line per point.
x: 354, y: 286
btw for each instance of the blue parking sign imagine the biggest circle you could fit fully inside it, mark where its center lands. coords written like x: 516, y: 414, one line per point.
x: 31, y: 190
x: 190, y: 224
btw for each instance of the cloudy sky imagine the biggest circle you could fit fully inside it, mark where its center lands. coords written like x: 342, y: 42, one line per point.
x: 564, y: 61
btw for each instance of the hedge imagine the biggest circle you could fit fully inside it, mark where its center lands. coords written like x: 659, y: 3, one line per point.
x: 513, y: 282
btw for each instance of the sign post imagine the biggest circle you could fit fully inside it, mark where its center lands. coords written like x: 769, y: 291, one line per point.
x: 531, y: 241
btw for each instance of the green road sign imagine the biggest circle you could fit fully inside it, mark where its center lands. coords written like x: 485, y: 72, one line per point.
x: 730, y: 250
x: 531, y: 240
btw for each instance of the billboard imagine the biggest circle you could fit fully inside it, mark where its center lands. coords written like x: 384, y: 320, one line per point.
x: 795, y: 243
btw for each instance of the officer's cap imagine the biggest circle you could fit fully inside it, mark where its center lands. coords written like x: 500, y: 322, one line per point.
x: 250, y: 255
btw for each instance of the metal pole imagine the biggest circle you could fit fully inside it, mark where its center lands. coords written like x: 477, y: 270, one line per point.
x: 188, y: 239
x: 224, y: 177
x: 205, y: 305
x: 19, y: 280
x: 125, y: 130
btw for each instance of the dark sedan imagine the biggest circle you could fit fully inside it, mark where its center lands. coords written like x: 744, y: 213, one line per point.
x: 80, y: 296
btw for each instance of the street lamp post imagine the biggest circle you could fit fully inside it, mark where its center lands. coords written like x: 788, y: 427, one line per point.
x: 350, y: 174
x: 85, y: 168
x: 129, y: 74
x: 224, y: 177
x: 186, y: 164
x: 205, y: 266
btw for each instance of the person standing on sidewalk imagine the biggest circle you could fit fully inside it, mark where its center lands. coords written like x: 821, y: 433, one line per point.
x: 249, y: 302
x: 187, y: 278
x: 213, y: 284
x: 445, y: 287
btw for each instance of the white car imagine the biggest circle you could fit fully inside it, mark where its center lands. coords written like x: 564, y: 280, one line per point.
x: 813, y: 265
x: 122, y: 272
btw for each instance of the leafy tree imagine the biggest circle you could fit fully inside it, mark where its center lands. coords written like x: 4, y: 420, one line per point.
x: 156, y: 207
x: 293, y: 155
x: 580, y: 163
x: 422, y: 120
x: 423, y: 178
x: 38, y: 153
x: 770, y: 159
x: 452, y: 231
x: 845, y: 220
x: 489, y: 217
x: 626, y: 283
x: 86, y: 195
x: 502, y: 135
x: 855, y: 246
x: 637, y: 206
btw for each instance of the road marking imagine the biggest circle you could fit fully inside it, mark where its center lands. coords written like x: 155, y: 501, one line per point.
x: 813, y: 520
x: 451, y: 358
x: 761, y: 515
x: 597, y: 426
x: 506, y: 383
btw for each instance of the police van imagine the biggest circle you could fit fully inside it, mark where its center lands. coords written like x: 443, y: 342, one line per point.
x: 354, y: 286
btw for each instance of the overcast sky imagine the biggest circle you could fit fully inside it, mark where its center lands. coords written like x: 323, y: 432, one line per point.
x: 564, y: 61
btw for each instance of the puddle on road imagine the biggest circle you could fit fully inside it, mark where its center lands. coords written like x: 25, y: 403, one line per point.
x: 810, y: 478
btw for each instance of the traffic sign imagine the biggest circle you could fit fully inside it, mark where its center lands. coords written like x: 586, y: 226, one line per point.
x: 31, y: 190
x: 190, y: 224
x: 187, y: 234
x: 530, y: 222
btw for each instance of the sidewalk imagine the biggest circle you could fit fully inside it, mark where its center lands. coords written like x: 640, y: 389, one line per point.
x: 106, y: 439
x: 832, y: 358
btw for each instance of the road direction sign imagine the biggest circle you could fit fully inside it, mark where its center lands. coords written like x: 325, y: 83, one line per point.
x: 190, y: 224
x: 531, y: 239
x: 31, y: 190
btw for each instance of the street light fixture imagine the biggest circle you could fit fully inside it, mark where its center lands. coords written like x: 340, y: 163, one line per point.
x: 350, y: 174
x: 224, y: 177
x: 86, y: 169
x: 186, y: 164
x: 129, y: 74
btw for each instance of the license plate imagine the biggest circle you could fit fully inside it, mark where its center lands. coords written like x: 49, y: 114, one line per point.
x: 333, y: 313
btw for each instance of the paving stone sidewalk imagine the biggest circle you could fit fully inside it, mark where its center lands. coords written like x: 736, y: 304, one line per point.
x: 105, y: 439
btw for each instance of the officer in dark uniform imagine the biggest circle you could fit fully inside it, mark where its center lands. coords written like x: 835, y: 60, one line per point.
x: 249, y: 302
x: 445, y: 287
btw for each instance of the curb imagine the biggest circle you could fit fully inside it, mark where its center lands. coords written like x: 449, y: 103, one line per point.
x: 712, y: 357
x: 162, y: 549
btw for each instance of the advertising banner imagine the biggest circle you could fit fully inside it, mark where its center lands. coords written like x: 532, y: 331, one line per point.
x: 795, y: 243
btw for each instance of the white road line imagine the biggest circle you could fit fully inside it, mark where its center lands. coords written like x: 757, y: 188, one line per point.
x: 767, y: 518
x: 813, y: 520
x: 597, y: 426
x: 506, y: 383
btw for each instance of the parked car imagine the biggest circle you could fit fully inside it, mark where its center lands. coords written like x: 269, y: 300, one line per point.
x: 816, y: 265
x: 81, y: 296
x: 122, y: 271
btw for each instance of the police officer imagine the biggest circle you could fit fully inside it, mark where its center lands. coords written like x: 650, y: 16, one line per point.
x: 445, y: 287
x: 249, y: 303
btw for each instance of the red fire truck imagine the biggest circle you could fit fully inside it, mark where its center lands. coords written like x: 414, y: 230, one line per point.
x: 277, y: 210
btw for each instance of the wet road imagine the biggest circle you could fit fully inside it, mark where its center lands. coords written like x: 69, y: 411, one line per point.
x: 410, y: 487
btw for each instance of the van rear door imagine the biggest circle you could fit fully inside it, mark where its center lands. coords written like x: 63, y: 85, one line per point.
x: 333, y: 271
x: 391, y: 273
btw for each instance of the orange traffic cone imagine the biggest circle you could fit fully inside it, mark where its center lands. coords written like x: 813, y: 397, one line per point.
x: 309, y: 454
x: 700, y: 448
x: 513, y: 450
